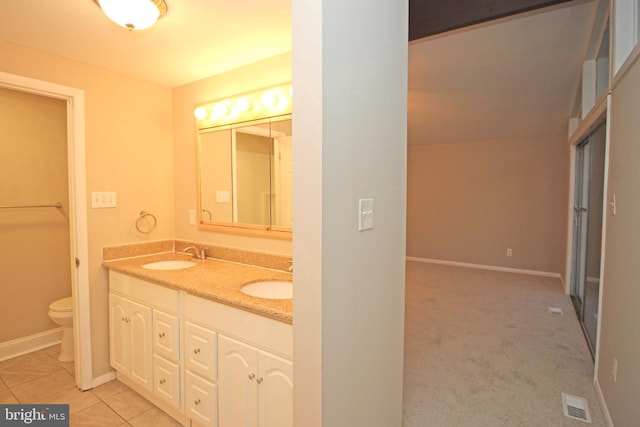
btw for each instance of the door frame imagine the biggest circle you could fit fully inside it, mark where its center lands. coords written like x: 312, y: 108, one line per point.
x: 600, y: 112
x: 77, y: 213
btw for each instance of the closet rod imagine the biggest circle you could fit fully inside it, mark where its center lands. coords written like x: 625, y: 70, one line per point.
x: 57, y: 205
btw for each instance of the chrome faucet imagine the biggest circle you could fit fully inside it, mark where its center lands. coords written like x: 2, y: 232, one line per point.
x: 196, y: 253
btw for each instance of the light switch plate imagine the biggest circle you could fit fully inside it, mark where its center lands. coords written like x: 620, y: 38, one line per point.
x: 365, y: 217
x: 103, y: 199
x: 222, y: 196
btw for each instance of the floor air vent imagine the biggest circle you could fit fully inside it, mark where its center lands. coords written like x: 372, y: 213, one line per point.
x: 555, y: 311
x: 576, y: 407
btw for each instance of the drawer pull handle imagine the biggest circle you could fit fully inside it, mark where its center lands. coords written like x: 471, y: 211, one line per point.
x: 252, y: 376
x: 162, y: 381
x: 196, y: 351
x: 161, y: 335
x: 197, y: 402
x: 259, y: 380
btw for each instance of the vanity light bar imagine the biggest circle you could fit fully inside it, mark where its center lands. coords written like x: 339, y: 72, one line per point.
x: 249, y: 106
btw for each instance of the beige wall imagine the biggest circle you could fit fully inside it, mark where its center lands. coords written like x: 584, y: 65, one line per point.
x: 620, y: 318
x: 129, y: 150
x: 469, y: 202
x: 33, y: 170
x: 269, y: 72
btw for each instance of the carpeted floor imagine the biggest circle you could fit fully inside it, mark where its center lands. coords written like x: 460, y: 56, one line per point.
x: 481, y: 349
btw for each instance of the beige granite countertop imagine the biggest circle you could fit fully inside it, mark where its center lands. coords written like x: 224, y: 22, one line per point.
x: 213, y: 279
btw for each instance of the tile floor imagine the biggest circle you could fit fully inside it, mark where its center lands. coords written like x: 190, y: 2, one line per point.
x: 40, y: 378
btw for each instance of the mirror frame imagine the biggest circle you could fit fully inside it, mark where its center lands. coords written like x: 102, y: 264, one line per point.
x: 255, y: 230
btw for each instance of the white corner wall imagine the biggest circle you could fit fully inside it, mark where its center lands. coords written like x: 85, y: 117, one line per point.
x: 350, y: 85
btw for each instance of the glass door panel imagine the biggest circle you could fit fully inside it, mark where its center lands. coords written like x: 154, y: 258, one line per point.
x: 587, y: 232
x: 583, y: 151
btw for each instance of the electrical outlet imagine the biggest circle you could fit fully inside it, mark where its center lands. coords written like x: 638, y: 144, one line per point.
x: 614, y: 369
x: 614, y: 205
x: 509, y: 252
x: 365, y: 214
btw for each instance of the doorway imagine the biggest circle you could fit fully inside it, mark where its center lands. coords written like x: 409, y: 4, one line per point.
x: 77, y: 212
x: 587, y: 231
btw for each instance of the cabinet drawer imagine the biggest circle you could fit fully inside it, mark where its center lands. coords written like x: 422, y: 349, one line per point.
x: 157, y: 295
x: 262, y: 331
x: 201, y: 351
x: 167, y: 380
x: 201, y: 400
x: 166, y: 335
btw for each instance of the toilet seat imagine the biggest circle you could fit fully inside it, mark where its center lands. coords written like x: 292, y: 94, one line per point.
x: 62, y: 305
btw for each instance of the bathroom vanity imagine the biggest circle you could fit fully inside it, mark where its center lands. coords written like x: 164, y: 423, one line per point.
x: 197, y: 347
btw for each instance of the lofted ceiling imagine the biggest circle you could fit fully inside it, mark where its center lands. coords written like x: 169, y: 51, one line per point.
x: 511, y: 78
x: 430, y: 17
x: 501, y: 79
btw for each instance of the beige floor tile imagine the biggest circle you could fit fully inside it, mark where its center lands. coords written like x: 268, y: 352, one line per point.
x: 3, y: 386
x: 69, y: 367
x: 43, y: 387
x: 76, y: 399
x: 98, y: 415
x: 154, y: 417
x: 53, y: 351
x: 109, y: 389
x: 28, y: 367
x: 7, y: 398
x: 128, y: 404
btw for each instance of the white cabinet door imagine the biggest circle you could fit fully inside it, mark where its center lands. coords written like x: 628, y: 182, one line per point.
x: 167, y: 380
x: 130, y: 339
x: 118, y: 333
x: 166, y: 335
x: 140, y: 343
x: 238, y: 394
x: 275, y: 390
x: 201, y: 351
x: 201, y: 400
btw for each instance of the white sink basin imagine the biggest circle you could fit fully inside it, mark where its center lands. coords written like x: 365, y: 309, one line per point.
x: 270, y: 289
x: 171, y: 264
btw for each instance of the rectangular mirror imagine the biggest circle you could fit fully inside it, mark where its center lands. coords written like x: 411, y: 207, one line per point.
x: 245, y: 177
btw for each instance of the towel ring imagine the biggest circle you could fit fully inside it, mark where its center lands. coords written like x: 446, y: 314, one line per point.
x: 146, y: 222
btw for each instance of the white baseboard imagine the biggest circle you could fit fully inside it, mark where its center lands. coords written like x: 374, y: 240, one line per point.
x: 486, y: 267
x: 29, y: 344
x: 603, y: 405
x: 109, y: 376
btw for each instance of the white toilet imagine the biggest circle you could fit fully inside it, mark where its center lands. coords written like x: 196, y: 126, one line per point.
x: 61, y: 312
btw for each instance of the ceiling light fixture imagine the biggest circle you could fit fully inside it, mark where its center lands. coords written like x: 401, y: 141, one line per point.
x: 133, y: 14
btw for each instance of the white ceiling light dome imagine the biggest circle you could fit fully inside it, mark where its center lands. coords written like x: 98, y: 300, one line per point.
x: 133, y: 14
